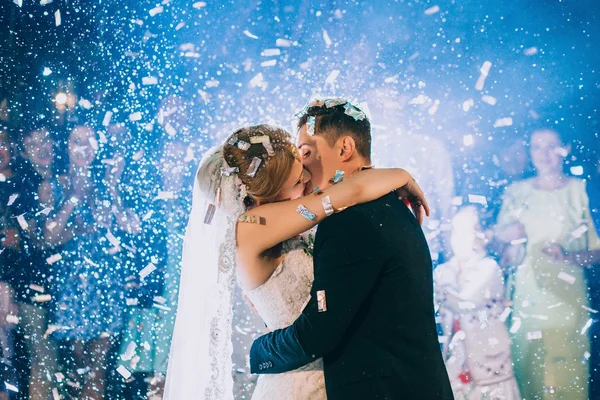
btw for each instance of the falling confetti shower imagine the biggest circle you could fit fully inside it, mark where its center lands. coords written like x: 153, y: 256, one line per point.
x: 125, y: 97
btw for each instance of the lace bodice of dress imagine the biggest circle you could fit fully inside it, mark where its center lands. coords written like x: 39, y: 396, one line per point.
x: 280, y: 300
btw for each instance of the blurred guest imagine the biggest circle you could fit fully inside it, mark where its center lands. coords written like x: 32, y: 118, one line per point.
x: 34, y: 282
x: 12, y: 205
x: 150, y: 325
x: 593, y: 279
x: 469, y: 290
x: 89, y: 305
x: 550, y: 212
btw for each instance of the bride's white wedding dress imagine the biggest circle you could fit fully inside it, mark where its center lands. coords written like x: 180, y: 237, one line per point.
x: 279, y: 301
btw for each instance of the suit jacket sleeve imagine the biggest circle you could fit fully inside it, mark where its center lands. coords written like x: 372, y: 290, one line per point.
x: 348, y: 262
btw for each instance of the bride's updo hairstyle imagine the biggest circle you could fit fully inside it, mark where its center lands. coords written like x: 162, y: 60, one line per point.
x: 274, y: 169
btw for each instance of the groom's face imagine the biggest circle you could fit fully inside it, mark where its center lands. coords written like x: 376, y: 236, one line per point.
x: 318, y: 158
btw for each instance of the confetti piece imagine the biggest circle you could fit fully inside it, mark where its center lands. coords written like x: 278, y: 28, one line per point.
x: 530, y: 51
x: 586, y: 326
x: 57, y: 19
x: 54, y: 258
x: 310, y: 125
x: 138, y: 155
x: 305, y: 212
x: 10, y: 387
x: 515, y: 326
x: 165, y: 195
x: 590, y: 309
x: 483, y: 319
x: 265, y: 141
x: 12, y: 319
x: 149, y: 80
x: 199, y: 4
x: 129, y: 352
x: 37, y: 288
x: 146, y: 346
x: 161, y: 307
x: 253, y: 167
x: 327, y: 206
x: 19, y: 3
x: 51, y: 226
x: 485, y: 68
x: 136, y: 116
x: 489, y: 100
x: 477, y: 199
x: 258, y: 81
x: 550, y: 307
x: 228, y: 171
x: 210, y: 213
x: 55, y: 395
x: 243, y: 145
x: 432, y: 10
x: 47, y: 71
x: 518, y: 241
x: 179, y: 26
x: 283, y: 43
x: 22, y: 223
x: 113, y: 239
x: 443, y: 339
x: 467, y: 105
x: 326, y: 38
x: 2, y: 178
x: 566, y: 277
x: 124, y: 372
x: 534, y: 335
x: 107, y: 116
x: 250, y: 35
x: 212, y: 83
x: 156, y: 11
x: 338, y: 177
x: 332, y: 76
x: 270, y: 63
x: 12, y: 199
x: 42, y: 298
x: 147, y: 270
x: 270, y: 52
x: 131, y: 302
x: 503, y: 122
x: 159, y: 300
x: 577, y: 233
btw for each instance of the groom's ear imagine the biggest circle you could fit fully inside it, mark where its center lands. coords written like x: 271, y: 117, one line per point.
x: 347, y: 147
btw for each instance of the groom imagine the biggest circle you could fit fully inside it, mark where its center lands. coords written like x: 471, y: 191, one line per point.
x: 371, y: 314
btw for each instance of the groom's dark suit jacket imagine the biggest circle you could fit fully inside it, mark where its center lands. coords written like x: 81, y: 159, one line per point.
x: 378, y: 336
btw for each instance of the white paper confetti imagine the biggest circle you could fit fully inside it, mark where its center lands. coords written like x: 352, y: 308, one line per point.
x: 199, y: 4
x: 579, y: 232
x: 477, y: 199
x: 42, y: 298
x: 508, y: 121
x: 269, y: 63
x: 515, y: 326
x: 530, y: 51
x: 124, y: 372
x: 22, y: 223
x: 586, y: 326
x: 165, y: 195
x: 12, y: 319
x: 270, y: 52
x: 147, y: 270
x: 11, y: 387
x: 326, y: 38
x: 332, y: 76
x: 149, y: 80
x: 518, y: 241
x: 590, y: 309
x: 489, y: 100
x: 107, y: 116
x: 156, y: 10
x: 250, y: 35
x: 11, y: 199
x: 54, y: 258
x: 566, y: 277
x: 37, y: 288
x: 534, y: 335
x: 432, y: 10
x: 57, y: 19
x: 136, y: 116
x: 129, y: 352
x: 505, y: 314
x: 283, y: 43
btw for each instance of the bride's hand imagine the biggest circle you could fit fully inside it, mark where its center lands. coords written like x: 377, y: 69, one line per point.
x: 413, y: 196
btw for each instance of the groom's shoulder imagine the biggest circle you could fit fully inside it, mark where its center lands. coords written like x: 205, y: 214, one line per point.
x: 364, y: 214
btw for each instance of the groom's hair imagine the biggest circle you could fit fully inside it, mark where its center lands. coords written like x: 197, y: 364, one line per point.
x: 333, y: 123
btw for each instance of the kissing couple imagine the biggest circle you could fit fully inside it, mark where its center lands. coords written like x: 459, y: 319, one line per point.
x: 350, y: 311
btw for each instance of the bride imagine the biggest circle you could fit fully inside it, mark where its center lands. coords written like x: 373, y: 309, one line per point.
x: 258, y: 168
